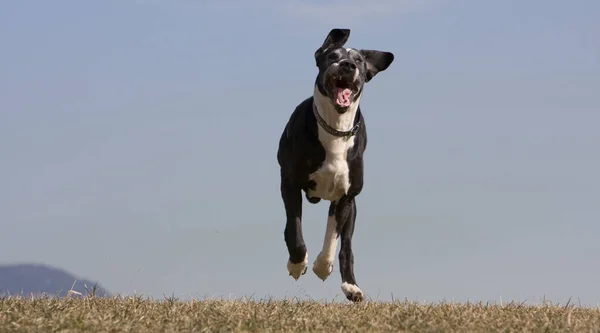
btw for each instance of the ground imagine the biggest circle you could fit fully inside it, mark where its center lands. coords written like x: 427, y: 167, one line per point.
x: 136, y: 314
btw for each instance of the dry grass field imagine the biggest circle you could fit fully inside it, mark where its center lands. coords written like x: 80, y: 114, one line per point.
x: 136, y: 314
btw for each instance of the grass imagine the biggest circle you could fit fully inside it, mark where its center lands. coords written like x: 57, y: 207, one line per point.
x: 136, y: 314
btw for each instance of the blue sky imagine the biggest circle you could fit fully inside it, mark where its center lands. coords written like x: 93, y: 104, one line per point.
x: 138, y: 145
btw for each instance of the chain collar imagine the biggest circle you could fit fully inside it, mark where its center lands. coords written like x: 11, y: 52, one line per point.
x: 332, y: 130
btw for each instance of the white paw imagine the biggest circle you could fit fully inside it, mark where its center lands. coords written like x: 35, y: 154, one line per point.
x: 352, y: 292
x: 322, y: 267
x: 296, y: 270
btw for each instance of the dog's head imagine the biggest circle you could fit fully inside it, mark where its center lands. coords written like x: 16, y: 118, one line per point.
x: 344, y: 71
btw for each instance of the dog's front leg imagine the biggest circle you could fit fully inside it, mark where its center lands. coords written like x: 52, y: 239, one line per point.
x: 346, y: 216
x: 292, y: 200
x: 323, y: 265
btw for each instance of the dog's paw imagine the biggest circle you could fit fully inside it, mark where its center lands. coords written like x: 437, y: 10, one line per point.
x: 322, y: 267
x: 352, y: 292
x: 296, y: 270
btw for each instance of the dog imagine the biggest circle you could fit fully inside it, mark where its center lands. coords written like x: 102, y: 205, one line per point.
x: 321, y: 154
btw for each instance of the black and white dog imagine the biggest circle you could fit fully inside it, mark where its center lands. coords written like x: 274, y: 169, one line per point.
x: 321, y: 153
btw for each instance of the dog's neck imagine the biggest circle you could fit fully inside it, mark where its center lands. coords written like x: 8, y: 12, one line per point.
x: 327, y: 111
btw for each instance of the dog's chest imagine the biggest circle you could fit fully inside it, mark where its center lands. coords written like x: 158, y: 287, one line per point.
x: 332, y: 179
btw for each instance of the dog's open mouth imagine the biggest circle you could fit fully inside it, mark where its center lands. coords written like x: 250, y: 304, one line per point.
x: 342, y: 91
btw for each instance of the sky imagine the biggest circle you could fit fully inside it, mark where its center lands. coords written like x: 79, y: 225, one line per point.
x: 138, y: 145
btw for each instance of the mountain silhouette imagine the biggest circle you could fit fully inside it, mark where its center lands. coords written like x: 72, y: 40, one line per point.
x: 37, y: 279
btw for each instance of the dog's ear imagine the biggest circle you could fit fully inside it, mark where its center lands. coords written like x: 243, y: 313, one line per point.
x: 335, y: 38
x: 377, y: 61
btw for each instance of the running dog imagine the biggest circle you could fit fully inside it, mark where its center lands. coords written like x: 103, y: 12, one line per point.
x: 321, y: 154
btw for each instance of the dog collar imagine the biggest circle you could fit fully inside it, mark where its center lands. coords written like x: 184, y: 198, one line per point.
x: 332, y: 130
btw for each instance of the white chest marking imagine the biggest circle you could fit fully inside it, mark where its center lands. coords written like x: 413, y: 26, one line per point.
x: 333, y: 177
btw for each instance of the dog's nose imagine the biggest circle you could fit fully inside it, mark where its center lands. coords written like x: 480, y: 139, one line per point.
x: 347, y: 65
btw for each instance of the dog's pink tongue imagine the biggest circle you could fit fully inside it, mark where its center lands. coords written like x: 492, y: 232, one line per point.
x: 342, y: 96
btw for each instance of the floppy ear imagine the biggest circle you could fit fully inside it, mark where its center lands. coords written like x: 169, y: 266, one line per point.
x: 335, y: 38
x: 377, y: 61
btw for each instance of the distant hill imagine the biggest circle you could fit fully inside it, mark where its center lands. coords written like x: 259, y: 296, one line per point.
x: 28, y: 279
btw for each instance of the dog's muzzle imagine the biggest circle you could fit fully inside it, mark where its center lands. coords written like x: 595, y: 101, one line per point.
x: 343, y: 84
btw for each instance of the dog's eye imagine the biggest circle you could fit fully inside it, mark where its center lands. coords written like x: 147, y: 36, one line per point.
x: 332, y: 56
x: 359, y: 60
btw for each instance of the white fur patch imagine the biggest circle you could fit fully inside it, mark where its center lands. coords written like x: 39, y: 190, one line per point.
x: 352, y: 291
x: 323, y: 265
x: 332, y: 179
x: 296, y: 270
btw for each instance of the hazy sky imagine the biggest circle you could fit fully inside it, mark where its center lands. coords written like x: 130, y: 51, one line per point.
x: 138, y: 145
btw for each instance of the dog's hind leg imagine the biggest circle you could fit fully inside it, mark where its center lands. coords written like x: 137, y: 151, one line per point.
x: 323, y: 265
x: 346, y: 216
x: 292, y: 200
